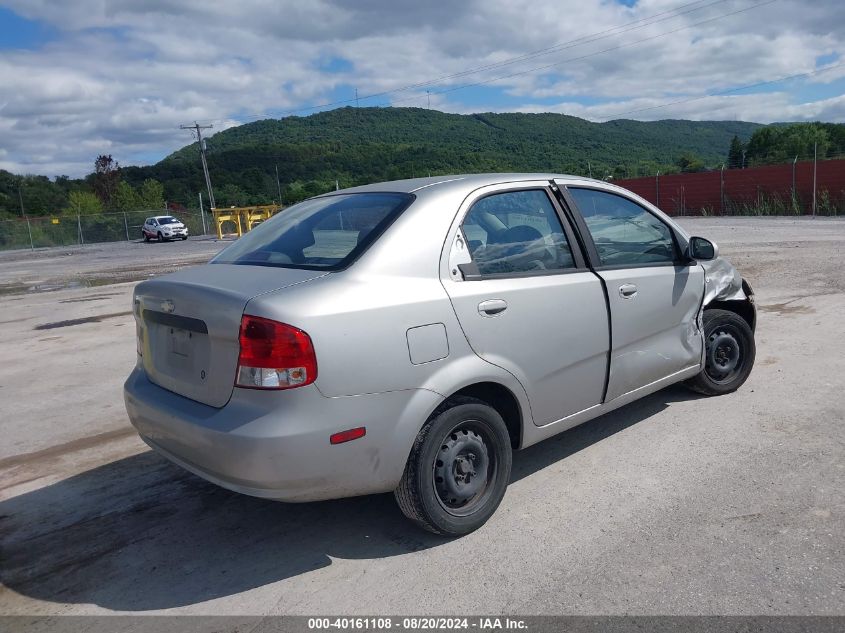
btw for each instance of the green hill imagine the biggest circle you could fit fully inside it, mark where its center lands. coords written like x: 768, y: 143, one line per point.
x: 357, y: 145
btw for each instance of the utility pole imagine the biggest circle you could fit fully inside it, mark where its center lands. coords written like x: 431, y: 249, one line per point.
x: 23, y: 215
x: 657, y: 189
x: 722, y: 190
x: 196, y: 127
x: 428, y: 93
x: 20, y: 197
x: 79, y: 224
x: 278, y: 184
x: 356, y: 97
x: 794, y: 192
x: 202, y: 215
x: 815, y: 163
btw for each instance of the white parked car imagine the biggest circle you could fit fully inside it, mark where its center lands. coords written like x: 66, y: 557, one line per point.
x: 163, y: 228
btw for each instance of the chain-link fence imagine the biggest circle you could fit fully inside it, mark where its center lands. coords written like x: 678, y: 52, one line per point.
x: 66, y: 230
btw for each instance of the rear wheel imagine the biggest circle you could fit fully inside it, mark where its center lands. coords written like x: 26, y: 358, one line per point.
x: 729, y: 354
x: 145, y: 236
x: 458, y: 469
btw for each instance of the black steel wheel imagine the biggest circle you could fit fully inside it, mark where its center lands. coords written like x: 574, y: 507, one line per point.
x: 729, y: 353
x: 458, y: 469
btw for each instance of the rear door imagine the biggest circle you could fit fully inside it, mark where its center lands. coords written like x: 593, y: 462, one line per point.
x: 526, y: 300
x: 654, y: 296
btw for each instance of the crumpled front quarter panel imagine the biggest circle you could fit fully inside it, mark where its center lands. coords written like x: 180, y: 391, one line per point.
x: 722, y: 281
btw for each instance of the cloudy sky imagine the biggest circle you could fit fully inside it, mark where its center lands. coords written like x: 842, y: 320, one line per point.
x: 84, y: 77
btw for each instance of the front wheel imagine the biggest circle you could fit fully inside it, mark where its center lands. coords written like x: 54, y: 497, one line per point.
x: 728, y: 356
x: 458, y: 469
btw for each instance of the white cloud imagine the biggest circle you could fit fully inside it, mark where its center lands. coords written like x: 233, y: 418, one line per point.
x: 123, y: 75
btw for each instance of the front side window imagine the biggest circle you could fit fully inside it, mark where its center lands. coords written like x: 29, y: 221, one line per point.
x: 321, y: 233
x: 516, y: 232
x: 625, y: 234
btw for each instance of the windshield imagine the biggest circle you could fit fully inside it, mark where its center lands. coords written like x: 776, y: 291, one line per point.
x: 321, y: 233
x: 168, y: 220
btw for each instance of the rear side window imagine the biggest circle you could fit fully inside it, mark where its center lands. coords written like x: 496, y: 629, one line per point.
x: 625, y: 234
x: 516, y: 232
x: 322, y: 233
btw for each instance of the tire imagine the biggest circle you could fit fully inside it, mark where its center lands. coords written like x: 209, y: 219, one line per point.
x: 441, y: 495
x: 184, y: 237
x: 145, y: 236
x: 160, y: 237
x: 729, y: 354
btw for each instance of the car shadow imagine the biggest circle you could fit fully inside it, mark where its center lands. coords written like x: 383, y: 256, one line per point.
x: 140, y: 534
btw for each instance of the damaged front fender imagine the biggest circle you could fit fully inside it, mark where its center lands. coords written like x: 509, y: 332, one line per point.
x: 722, y: 281
x: 726, y: 289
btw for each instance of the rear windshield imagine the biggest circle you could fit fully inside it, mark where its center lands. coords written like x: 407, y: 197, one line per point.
x: 321, y: 233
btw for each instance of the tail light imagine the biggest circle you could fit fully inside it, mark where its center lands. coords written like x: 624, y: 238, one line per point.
x: 274, y: 355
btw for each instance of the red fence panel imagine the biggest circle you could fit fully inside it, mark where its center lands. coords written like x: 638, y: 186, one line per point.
x: 769, y: 190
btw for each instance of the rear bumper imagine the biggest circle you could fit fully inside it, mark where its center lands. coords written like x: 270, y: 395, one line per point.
x: 276, y: 444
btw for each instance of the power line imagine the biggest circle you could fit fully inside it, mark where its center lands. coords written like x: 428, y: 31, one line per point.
x: 725, y: 92
x: 619, y: 30
x: 586, y: 39
x: 588, y: 55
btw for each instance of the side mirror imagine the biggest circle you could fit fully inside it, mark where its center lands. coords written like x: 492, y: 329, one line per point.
x: 702, y: 249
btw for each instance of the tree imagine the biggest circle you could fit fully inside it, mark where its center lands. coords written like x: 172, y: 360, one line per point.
x: 294, y: 192
x: 106, y: 177
x: 735, y: 154
x: 782, y: 143
x: 152, y: 194
x: 126, y: 198
x: 689, y: 163
x: 83, y: 203
x: 230, y: 195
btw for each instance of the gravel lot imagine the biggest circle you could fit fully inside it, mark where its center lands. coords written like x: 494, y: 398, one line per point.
x: 676, y: 504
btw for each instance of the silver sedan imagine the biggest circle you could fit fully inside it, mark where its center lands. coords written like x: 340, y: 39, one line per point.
x: 408, y: 336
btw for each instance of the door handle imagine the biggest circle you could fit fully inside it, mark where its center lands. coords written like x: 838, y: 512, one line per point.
x: 627, y: 290
x: 492, y: 307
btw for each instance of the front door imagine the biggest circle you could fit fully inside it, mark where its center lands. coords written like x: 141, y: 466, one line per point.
x: 528, y: 303
x: 654, y: 296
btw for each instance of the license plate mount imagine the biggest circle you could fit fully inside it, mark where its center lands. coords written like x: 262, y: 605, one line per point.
x: 181, y: 342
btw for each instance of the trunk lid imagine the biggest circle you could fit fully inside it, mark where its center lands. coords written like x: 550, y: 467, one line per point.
x: 189, y: 322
